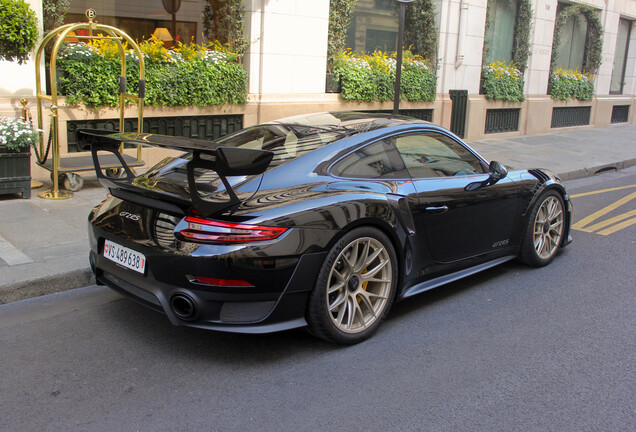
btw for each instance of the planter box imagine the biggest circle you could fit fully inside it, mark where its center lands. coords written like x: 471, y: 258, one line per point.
x: 332, y: 84
x: 15, y: 172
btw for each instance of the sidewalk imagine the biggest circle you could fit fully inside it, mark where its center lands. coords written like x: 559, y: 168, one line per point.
x: 44, y: 243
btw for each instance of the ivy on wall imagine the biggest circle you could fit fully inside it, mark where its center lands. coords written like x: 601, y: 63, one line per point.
x: 340, y: 13
x: 420, y: 30
x: 593, y: 42
x: 521, y: 43
x: 54, y: 12
x: 18, y: 30
x: 223, y: 21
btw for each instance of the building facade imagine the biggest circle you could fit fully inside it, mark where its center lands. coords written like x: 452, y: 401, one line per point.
x: 286, y: 61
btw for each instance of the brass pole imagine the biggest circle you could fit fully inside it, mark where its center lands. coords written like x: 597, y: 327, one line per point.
x: 27, y: 118
x: 55, y: 193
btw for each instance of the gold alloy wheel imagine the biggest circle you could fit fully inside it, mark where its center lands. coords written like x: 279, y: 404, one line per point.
x: 548, y: 227
x: 359, y: 284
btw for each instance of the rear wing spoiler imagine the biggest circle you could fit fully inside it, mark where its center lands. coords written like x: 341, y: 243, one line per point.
x: 206, y: 155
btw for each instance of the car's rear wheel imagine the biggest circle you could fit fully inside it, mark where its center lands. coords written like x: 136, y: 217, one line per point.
x: 355, y: 288
x: 544, y: 233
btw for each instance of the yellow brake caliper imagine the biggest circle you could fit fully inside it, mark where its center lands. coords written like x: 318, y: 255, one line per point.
x: 364, y: 285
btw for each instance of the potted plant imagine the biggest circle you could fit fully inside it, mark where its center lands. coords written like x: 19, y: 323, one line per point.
x: 16, y: 138
x: 18, y: 30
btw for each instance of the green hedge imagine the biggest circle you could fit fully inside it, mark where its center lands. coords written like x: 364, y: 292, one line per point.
x: 190, y: 75
x: 367, y: 78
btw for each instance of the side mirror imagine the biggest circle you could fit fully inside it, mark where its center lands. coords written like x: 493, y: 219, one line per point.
x: 497, y: 172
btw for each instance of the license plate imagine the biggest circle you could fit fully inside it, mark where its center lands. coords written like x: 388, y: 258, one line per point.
x: 124, y: 256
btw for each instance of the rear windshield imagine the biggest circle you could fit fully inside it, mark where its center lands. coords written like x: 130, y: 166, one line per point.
x: 287, y: 141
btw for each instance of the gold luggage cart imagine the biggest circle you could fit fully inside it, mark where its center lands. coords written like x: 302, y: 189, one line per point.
x: 65, y: 168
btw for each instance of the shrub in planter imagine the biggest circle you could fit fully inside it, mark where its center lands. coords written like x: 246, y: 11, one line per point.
x: 371, y: 77
x: 571, y: 84
x: 503, y: 82
x: 18, y: 30
x: 189, y: 75
x: 16, y: 138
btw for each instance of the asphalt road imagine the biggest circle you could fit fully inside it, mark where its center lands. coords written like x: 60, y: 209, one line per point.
x: 511, y: 349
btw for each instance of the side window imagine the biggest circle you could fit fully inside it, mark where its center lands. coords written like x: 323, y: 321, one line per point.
x: 436, y: 155
x: 377, y: 160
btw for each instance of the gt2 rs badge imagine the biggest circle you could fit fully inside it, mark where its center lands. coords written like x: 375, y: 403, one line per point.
x: 500, y: 243
x: 130, y: 216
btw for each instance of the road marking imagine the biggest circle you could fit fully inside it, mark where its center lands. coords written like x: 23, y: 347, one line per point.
x: 608, y: 222
x: 620, y: 226
x: 584, y: 224
x: 601, y: 191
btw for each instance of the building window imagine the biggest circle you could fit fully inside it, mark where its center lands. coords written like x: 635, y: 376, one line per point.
x: 380, y: 39
x: 140, y: 18
x: 385, y: 4
x: 499, y: 35
x: 571, y: 49
x: 620, y: 56
x: 374, y: 26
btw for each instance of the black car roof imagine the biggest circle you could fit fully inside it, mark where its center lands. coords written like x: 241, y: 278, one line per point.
x: 351, y: 121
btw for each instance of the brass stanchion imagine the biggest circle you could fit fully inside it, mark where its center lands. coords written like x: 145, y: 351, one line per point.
x: 55, y: 193
x: 26, y: 115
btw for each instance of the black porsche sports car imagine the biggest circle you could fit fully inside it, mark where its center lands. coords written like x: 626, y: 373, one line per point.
x: 322, y: 220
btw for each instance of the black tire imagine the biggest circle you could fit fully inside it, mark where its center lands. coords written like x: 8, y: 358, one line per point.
x: 544, y: 232
x: 361, y: 271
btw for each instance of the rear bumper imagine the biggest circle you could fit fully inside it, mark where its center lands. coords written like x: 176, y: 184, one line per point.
x: 234, y: 309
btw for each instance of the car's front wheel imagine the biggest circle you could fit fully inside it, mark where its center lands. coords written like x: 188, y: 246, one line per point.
x: 544, y: 233
x: 355, y: 288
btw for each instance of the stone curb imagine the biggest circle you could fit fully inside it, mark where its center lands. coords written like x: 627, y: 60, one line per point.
x: 47, y: 285
x: 598, y: 169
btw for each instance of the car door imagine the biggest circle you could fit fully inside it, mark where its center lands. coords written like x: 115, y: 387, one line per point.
x: 379, y: 161
x: 460, y: 218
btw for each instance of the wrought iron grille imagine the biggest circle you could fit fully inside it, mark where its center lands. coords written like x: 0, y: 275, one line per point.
x: 198, y: 127
x: 620, y: 113
x: 570, y: 116
x: 502, y: 120
x: 422, y: 114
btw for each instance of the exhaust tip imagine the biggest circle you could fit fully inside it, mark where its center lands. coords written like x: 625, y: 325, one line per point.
x: 183, y: 306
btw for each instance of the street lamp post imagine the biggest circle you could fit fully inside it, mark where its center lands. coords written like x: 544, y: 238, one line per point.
x: 398, y: 66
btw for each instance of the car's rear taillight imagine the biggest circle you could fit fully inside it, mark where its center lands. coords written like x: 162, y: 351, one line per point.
x: 221, y: 282
x: 210, y: 231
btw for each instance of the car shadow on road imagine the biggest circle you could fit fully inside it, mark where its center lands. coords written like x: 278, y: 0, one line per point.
x: 144, y: 326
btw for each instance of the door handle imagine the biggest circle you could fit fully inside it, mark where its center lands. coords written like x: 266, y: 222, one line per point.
x: 436, y: 210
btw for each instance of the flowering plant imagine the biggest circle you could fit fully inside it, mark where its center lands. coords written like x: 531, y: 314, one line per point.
x: 503, y: 82
x: 371, y: 77
x: 185, y: 75
x: 17, y: 134
x: 566, y: 84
